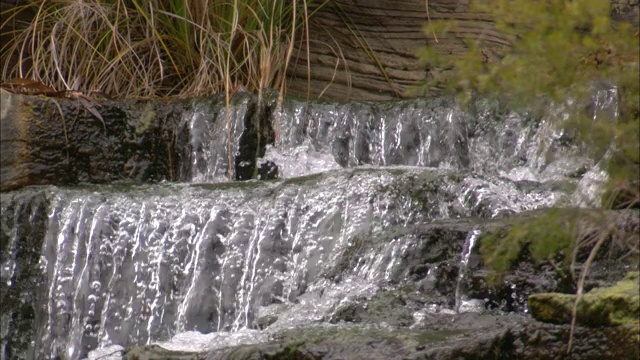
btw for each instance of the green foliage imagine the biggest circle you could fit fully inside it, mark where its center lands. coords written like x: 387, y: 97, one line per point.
x: 558, y: 53
x: 544, y: 236
x: 558, y: 48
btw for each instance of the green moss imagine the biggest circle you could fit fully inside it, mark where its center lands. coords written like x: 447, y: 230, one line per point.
x: 610, y: 306
x: 619, y: 303
x: 303, y: 179
x: 551, y: 307
x: 146, y: 118
x: 233, y: 185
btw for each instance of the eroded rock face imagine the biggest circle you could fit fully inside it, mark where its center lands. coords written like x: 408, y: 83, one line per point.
x: 393, y: 31
x: 58, y: 141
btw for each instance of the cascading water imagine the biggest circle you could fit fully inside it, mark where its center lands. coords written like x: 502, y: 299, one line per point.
x: 209, y: 139
x: 119, y: 265
x: 420, y: 133
x: 465, y: 255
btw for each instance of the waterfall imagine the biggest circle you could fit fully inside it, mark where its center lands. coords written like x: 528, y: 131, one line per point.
x: 467, y: 248
x: 110, y: 266
x: 209, y: 138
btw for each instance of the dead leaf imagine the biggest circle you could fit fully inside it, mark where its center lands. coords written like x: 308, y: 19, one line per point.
x: 28, y: 87
x: 89, y: 104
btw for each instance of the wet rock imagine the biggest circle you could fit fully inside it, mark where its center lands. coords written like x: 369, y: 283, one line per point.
x: 327, y: 343
x: 264, y: 322
x: 155, y: 352
x: 528, y: 276
x: 446, y: 337
x: 351, y: 313
x: 111, y: 352
x: 536, y: 340
x: 268, y: 170
x: 58, y: 141
x: 257, y: 133
x: 615, y: 305
x: 20, y: 304
x: 390, y: 307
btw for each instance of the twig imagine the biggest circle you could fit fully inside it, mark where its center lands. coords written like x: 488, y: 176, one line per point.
x: 429, y: 21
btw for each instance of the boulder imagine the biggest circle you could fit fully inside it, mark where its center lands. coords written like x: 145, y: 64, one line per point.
x: 610, y: 306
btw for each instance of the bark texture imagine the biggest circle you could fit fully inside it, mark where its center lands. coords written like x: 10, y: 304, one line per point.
x: 380, y: 63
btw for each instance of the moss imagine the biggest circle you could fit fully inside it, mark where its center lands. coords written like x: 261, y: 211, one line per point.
x: 551, y: 307
x: 290, y: 352
x: 232, y: 185
x: 610, y: 306
x: 620, y: 303
x: 244, y: 352
x: 146, y: 118
x: 396, y: 171
x: 308, y: 343
x: 303, y: 179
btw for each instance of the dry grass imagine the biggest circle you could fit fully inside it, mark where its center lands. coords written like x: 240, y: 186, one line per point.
x: 138, y: 48
x: 156, y: 48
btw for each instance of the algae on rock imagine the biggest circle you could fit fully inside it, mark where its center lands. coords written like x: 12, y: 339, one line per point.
x: 610, y: 306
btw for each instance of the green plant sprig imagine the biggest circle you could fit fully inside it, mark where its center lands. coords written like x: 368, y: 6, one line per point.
x: 553, y: 52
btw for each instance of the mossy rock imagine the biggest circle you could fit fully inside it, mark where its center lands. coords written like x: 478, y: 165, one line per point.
x: 390, y: 307
x: 265, y: 321
x: 610, y: 306
x: 155, y: 352
x: 353, y: 313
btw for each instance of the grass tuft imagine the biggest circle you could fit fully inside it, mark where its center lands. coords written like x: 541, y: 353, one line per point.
x: 137, y: 48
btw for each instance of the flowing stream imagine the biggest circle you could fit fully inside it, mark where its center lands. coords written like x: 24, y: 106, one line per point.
x: 194, y: 265
x: 469, y: 245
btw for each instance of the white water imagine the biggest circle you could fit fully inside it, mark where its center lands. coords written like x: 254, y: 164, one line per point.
x: 199, y: 264
x: 462, y: 303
